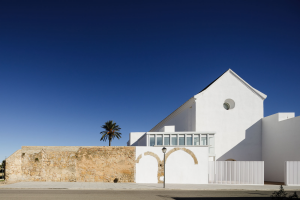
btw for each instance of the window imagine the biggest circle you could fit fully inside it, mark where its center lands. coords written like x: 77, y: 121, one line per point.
x: 159, y: 139
x: 181, y: 140
x: 152, y: 140
x: 226, y: 106
x: 196, y: 140
x: 203, y: 139
x: 174, y: 139
x: 189, y: 140
x: 166, y: 139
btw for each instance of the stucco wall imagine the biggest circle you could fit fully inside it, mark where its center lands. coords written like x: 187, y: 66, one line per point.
x: 71, y: 164
x: 142, y: 141
x: 183, y: 165
x: 238, y: 130
x: 183, y: 118
x: 280, y: 143
x: 134, y: 137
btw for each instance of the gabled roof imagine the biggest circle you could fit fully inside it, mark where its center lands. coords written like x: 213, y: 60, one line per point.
x: 191, y: 100
x: 212, y: 82
x: 260, y: 94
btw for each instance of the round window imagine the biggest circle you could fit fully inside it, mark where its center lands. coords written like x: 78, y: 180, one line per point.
x: 226, y: 106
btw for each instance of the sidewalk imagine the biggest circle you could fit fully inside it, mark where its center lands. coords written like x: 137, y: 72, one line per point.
x: 138, y: 186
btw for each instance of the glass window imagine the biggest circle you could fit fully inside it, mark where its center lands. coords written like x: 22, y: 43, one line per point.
x: 174, y: 139
x: 203, y: 139
x: 159, y: 139
x: 189, y: 140
x: 226, y: 106
x: 181, y: 140
x: 196, y: 140
x: 152, y: 140
x: 166, y: 139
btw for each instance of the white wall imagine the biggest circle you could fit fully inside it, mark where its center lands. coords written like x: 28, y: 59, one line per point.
x: 180, y: 166
x: 167, y: 129
x: 183, y: 118
x: 280, y: 143
x: 238, y: 131
x: 133, y: 138
x: 142, y: 141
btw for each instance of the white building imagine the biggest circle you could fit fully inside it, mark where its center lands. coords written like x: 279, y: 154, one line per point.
x: 227, y: 119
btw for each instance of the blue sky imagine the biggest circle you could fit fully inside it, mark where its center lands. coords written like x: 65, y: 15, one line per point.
x: 66, y: 68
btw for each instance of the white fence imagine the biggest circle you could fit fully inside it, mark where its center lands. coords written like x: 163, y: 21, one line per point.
x: 292, y: 173
x: 236, y: 172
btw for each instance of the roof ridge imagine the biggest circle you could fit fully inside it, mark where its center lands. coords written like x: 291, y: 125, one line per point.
x: 213, y: 81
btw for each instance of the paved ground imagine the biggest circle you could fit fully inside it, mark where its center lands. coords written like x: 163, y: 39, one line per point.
x: 132, y: 194
x: 136, y: 186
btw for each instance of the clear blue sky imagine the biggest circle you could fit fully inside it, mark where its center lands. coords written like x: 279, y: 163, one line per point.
x: 68, y: 66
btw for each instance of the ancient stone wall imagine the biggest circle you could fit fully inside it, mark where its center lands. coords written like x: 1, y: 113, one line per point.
x: 105, y: 164
x: 13, y: 170
x: 71, y: 164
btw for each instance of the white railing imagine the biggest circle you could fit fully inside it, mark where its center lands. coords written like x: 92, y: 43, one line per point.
x: 292, y: 173
x: 236, y: 172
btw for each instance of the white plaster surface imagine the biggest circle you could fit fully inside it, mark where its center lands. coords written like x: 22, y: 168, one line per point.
x: 134, y: 136
x: 142, y: 141
x: 183, y: 118
x: 238, y: 130
x: 167, y: 129
x: 280, y: 143
x: 180, y: 166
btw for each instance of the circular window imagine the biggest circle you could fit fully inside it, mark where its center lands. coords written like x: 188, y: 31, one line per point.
x: 229, y: 104
x: 226, y: 106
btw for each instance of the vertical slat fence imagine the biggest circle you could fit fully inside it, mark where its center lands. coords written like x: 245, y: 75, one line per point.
x: 292, y: 173
x: 236, y: 172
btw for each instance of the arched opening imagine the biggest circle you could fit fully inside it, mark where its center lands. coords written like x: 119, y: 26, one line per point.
x: 146, y: 169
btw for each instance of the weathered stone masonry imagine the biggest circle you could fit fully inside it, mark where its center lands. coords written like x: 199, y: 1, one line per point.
x: 72, y: 164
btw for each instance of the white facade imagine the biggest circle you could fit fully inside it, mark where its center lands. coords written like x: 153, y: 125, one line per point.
x: 280, y: 143
x: 238, y: 129
x: 231, y: 113
x: 180, y: 166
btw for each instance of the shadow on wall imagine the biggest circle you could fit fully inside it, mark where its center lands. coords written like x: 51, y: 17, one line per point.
x: 249, y: 149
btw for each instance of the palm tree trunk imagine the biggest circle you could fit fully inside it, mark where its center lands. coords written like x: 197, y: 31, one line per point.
x: 109, y: 141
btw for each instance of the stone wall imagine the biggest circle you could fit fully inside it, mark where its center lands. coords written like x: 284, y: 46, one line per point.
x: 71, y: 164
x: 105, y: 164
x: 13, y: 170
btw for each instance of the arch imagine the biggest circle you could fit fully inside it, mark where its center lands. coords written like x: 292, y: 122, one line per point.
x: 160, y: 163
x: 139, y: 158
x: 185, y: 150
x: 148, y: 153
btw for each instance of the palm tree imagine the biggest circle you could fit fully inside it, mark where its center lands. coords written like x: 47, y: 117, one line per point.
x: 111, y: 131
